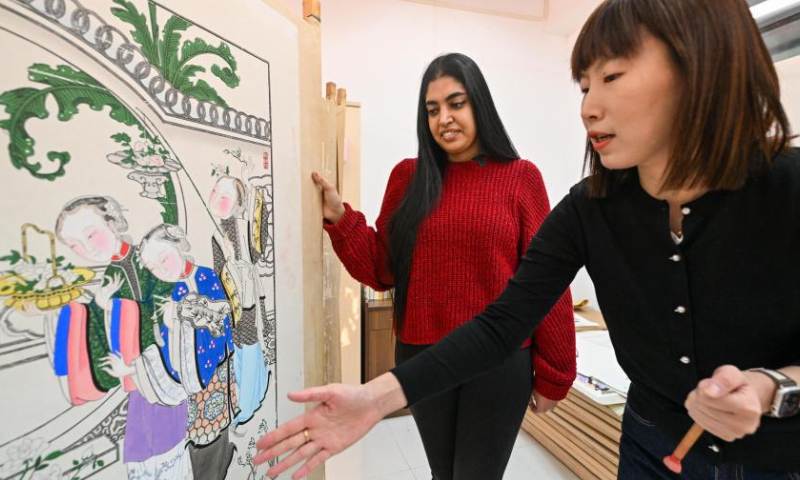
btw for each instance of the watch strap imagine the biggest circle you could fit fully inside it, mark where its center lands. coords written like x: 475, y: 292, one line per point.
x: 783, y: 383
x: 781, y: 380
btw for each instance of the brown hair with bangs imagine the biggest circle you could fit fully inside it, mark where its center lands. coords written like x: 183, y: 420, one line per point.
x: 730, y: 122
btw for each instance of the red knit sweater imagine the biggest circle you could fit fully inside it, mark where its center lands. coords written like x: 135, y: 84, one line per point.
x: 465, y: 252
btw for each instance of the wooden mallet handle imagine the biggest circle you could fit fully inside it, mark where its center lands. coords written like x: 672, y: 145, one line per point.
x: 673, y: 462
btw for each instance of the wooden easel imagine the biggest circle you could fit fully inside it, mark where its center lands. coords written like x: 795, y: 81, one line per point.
x: 334, y: 113
x: 322, y: 133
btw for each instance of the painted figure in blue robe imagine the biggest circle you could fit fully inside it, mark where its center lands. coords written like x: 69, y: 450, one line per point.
x: 202, y: 358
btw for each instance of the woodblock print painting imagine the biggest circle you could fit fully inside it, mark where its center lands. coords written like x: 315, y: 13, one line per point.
x: 200, y: 344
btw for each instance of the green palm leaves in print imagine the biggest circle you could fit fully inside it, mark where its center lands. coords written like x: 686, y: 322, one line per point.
x: 70, y: 88
x: 173, y: 60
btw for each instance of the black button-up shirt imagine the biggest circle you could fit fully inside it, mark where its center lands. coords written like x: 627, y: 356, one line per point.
x: 729, y: 294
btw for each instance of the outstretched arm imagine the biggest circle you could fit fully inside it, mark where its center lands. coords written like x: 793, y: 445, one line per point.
x: 348, y: 412
x: 344, y: 414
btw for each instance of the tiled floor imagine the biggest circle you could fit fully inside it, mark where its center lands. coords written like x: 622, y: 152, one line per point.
x: 393, y: 451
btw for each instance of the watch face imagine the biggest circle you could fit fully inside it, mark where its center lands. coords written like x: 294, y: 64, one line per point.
x: 791, y: 403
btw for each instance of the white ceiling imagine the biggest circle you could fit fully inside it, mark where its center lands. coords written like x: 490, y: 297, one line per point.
x: 561, y: 17
x: 528, y: 9
x: 564, y: 17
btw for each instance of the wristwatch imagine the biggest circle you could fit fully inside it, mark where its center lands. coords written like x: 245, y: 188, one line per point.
x: 786, y: 401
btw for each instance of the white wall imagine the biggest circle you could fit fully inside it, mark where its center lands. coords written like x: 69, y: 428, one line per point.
x: 789, y: 75
x: 378, y: 51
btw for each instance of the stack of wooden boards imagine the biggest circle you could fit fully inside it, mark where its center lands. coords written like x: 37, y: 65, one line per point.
x: 583, y: 434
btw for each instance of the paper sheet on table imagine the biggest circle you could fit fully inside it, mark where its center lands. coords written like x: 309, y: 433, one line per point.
x: 581, y: 321
x: 596, y: 359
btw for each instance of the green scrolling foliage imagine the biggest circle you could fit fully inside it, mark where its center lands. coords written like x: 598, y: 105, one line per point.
x: 70, y: 88
x: 175, y: 61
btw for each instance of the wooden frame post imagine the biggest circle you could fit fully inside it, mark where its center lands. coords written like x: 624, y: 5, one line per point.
x: 312, y: 8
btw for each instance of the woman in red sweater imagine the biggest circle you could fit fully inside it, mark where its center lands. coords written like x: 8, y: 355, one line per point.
x: 466, y: 196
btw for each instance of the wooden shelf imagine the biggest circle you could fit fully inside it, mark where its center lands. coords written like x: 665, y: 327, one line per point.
x: 378, y: 342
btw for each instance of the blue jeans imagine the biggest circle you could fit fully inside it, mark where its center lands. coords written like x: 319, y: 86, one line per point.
x: 643, y: 448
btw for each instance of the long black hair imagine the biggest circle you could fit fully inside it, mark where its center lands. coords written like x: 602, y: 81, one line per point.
x: 425, y: 187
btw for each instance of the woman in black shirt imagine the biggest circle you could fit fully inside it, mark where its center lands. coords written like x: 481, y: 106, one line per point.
x: 688, y: 224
